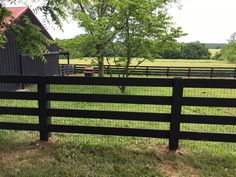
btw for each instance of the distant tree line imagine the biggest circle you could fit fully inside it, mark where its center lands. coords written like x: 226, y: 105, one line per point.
x: 80, y: 46
x: 193, y: 50
x: 215, y: 45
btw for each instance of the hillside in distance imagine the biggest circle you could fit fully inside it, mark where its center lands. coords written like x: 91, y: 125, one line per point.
x: 214, y: 45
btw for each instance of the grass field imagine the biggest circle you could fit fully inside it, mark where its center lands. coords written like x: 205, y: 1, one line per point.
x: 106, y: 156
x: 165, y: 62
x: 214, y: 51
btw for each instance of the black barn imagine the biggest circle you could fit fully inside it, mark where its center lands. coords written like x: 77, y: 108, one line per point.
x: 10, y: 61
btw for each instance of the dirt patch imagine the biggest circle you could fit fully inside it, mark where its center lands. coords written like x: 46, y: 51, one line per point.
x: 169, y: 170
x: 191, y: 171
x: 27, y: 156
x: 159, y: 149
x: 16, y: 160
x: 164, y: 150
x: 178, y: 169
x: 173, y: 163
x: 53, y: 139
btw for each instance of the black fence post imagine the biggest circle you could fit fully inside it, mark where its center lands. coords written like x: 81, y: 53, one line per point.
x: 74, y: 69
x: 175, y: 114
x: 43, y: 105
x: 22, y: 86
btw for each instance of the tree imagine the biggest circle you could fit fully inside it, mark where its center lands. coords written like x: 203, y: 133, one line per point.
x: 79, y: 46
x: 229, y: 50
x: 29, y: 36
x: 146, y: 23
x: 171, y: 50
x: 4, y: 13
x: 106, y: 22
x: 31, y: 39
x: 195, y: 50
x: 101, y: 20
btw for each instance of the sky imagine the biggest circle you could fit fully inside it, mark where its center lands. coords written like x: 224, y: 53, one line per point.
x: 207, y: 21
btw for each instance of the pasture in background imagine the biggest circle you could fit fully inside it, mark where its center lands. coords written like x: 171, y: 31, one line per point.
x: 163, y: 62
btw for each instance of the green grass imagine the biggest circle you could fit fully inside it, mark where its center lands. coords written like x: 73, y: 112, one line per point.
x: 22, y: 157
x: 94, y: 155
x: 165, y: 62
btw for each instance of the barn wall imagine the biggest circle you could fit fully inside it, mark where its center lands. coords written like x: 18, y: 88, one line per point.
x: 9, y: 62
x: 9, y: 57
x: 52, y: 65
x: 33, y: 66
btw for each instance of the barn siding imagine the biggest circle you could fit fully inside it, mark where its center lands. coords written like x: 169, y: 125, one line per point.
x: 32, y: 67
x: 9, y: 62
x: 52, y: 66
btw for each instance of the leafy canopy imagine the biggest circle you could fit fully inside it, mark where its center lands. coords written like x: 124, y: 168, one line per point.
x: 31, y: 39
x: 195, y: 50
x: 125, y: 27
x: 228, y: 52
x: 3, y: 23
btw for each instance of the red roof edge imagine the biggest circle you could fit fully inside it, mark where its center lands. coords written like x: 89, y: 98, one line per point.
x: 18, y: 12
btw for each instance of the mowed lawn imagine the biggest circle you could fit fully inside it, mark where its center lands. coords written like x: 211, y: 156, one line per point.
x: 21, y: 154
x: 164, y: 62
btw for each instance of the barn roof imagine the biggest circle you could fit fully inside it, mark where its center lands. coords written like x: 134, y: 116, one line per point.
x: 18, y: 12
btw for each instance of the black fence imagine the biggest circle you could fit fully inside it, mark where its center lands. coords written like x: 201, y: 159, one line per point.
x: 166, y: 71
x: 175, y: 118
x: 69, y: 69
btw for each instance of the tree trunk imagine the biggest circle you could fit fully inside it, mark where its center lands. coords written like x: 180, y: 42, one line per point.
x: 123, y: 88
x: 100, y: 66
x: 100, y: 59
x: 125, y: 75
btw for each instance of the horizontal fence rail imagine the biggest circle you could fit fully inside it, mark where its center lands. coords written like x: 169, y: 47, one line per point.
x: 166, y: 71
x: 177, y: 100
